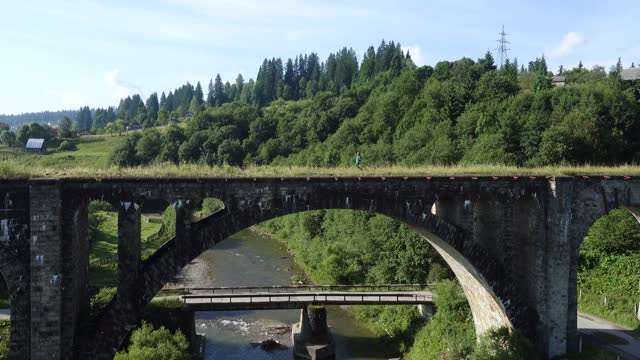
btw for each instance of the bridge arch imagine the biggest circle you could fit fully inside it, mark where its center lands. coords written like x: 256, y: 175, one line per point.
x: 474, y: 267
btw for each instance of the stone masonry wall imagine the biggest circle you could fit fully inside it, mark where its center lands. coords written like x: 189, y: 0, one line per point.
x: 46, y: 271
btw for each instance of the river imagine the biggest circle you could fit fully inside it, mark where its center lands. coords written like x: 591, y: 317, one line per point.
x: 248, y: 259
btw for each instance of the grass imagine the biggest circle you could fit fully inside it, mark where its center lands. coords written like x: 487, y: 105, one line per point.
x: 4, y: 339
x: 624, y: 317
x: 92, y: 152
x: 105, y: 246
x: 91, y: 159
x: 16, y: 169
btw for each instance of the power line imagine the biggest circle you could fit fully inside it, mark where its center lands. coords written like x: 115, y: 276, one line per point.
x: 502, y: 48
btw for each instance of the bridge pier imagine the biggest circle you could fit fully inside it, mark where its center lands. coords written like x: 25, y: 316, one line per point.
x: 311, y: 336
x: 46, y: 271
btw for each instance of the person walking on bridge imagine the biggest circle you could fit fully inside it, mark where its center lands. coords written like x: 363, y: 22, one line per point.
x: 358, y: 160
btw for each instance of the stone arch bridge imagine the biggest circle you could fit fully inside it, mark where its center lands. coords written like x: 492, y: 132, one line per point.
x: 512, y: 242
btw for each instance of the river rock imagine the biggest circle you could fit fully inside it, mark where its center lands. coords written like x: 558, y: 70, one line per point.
x: 270, y: 345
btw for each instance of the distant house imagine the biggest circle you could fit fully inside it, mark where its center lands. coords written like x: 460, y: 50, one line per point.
x: 558, y: 80
x: 188, y: 115
x: 632, y: 74
x: 84, y: 133
x: 134, y: 126
x: 36, y: 145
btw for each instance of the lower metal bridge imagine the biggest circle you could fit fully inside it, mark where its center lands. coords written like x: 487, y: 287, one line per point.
x: 300, y: 296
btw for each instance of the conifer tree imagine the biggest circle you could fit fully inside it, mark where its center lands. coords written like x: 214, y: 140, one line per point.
x: 219, y: 94
x: 198, y: 94
x: 211, y: 95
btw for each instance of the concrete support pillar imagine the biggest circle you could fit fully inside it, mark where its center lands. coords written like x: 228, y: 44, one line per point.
x: 129, y: 244
x: 46, y: 271
x: 311, y: 337
x: 183, y: 228
x: 561, y: 306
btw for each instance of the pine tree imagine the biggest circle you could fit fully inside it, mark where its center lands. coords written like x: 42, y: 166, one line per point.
x: 580, y: 66
x: 163, y: 101
x: 211, y: 95
x: 152, y: 108
x: 488, y: 63
x: 198, y: 94
x: 194, y: 106
x: 219, y: 94
x: 560, y: 70
x: 289, y: 92
x: 368, y: 68
x: 633, y: 65
x: 619, y: 65
x: 239, y: 85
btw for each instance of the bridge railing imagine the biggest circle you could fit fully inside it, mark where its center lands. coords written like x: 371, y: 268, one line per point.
x: 399, y: 297
x: 297, y: 288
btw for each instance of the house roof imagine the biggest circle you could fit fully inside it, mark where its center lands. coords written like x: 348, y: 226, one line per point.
x: 558, y: 79
x: 630, y: 74
x: 35, y: 143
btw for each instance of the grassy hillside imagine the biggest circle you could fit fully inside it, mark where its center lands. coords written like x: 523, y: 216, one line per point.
x: 104, y: 247
x: 91, y: 152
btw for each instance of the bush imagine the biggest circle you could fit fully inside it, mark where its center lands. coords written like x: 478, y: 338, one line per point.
x: 100, y: 300
x: 503, y: 344
x: 66, y: 146
x: 160, y: 344
x: 450, y: 334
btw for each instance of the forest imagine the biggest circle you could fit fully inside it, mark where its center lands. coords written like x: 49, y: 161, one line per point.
x: 458, y: 112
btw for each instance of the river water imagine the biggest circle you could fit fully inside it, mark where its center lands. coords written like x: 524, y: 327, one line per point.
x: 247, y: 259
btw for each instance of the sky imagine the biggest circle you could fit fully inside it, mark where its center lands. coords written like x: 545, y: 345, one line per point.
x: 63, y: 54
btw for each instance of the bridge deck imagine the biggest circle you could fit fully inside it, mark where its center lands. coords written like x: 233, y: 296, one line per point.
x: 300, y: 299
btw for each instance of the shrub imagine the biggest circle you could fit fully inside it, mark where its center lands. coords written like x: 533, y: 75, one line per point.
x: 66, y: 146
x: 503, y: 344
x: 160, y: 344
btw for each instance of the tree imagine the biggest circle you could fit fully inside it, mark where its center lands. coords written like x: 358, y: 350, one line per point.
x: 153, y: 107
x: 120, y: 126
x: 64, y: 128
x: 239, y: 87
x: 615, y: 234
x: 198, y: 95
x: 211, y: 95
x: 230, y: 153
x: 148, y: 147
x: 83, y: 119
x: 219, y: 95
x: 194, y: 107
x: 4, y: 126
x: 150, y: 343
x: 7, y: 138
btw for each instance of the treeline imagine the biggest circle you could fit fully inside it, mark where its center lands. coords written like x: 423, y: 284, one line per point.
x: 463, y: 111
x: 43, y: 117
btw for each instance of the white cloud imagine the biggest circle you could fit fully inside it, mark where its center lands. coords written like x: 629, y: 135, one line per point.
x: 569, y: 43
x: 416, y: 54
x: 119, y: 89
